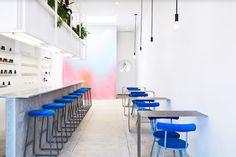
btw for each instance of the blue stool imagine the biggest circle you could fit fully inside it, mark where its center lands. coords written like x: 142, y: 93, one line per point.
x: 35, y: 114
x: 69, y: 121
x: 87, y: 99
x: 75, y: 107
x: 88, y: 95
x: 59, y: 108
x: 82, y: 107
x: 174, y: 143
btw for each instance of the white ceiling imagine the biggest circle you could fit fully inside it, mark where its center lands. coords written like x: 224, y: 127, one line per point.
x: 123, y: 11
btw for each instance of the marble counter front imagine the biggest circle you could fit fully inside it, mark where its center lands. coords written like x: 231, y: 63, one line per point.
x: 18, y: 104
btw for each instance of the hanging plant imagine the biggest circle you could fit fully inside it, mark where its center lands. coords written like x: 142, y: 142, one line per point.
x: 81, y: 31
x: 63, y: 11
x: 84, y: 33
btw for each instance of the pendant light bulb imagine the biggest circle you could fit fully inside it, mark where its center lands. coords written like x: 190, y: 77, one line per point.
x: 176, y: 24
x: 134, y: 56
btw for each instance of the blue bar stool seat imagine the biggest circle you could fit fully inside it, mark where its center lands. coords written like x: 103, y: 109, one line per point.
x: 42, y: 114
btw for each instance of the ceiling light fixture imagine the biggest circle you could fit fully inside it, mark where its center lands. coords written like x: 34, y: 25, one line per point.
x: 135, y: 33
x: 141, y: 25
x: 176, y: 24
x: 151, y: 20
x: 117, y: 3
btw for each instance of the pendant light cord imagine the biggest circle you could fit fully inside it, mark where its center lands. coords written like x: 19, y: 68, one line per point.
x: 176, y: 13
x: 151, y: 20
x: 176, y: 6
x: 141, y: 25
x: 135, y: 31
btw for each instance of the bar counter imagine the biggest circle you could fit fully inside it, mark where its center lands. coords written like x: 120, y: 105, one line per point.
x: 18, y: 103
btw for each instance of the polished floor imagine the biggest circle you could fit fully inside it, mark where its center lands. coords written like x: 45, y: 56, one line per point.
x: 104, y: 133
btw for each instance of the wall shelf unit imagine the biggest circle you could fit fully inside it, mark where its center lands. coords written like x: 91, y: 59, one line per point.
x: 30, y: 16
x: 5, y: 63
x: 29, y: 74
x: 29, y: 65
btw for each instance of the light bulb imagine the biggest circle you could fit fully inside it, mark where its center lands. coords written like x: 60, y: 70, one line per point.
x: 176, y: 25
x: 134, y: 56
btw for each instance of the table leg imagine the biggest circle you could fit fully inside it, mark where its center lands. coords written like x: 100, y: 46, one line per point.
x: 139, y: 135
x: 129, y: 114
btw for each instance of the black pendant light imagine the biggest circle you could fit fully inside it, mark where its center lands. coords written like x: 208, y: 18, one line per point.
x: 135, y: 33
x: 151, y: 20
x: 141, y: 25
x: 176, y: 11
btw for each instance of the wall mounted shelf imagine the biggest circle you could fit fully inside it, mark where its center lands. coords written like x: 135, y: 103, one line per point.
x: 5, y: 75
x: 6, y: 63
x: 29, y: 74
x: 29, y: 65
x: 25, y: 18
x: 3, y: 86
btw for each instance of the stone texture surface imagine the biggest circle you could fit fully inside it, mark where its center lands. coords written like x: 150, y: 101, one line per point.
x: 17, y: 118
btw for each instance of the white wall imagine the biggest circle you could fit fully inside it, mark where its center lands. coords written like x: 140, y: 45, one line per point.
x: 125, y: 51
x: 195, y: 67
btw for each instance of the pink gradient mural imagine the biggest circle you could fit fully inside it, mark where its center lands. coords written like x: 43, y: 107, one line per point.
x: 98, y: 70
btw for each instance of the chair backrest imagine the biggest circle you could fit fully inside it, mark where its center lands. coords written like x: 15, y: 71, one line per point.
x: 137, y: 92
x: 176, y: 127
x: 139, y: 100
x: 147, y: 104
x: 133, y: 88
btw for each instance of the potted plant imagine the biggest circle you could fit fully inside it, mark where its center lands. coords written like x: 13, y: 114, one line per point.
x: 81, y: 31
x: 63, y: 11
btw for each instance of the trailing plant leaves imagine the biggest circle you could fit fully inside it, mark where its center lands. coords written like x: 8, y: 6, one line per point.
x: 81, y: 31
x: 63, y: 11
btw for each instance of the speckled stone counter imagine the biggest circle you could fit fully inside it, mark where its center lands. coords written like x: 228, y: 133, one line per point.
x: 17, y: 106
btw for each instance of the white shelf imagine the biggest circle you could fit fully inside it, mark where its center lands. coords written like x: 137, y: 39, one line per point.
x: 29, y: 65
x: 29, y: 74
x: 5, y: 75
x: 6, y: 63
x: 7, y: 52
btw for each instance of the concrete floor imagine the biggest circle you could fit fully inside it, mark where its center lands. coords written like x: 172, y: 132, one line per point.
x: 104, y: 133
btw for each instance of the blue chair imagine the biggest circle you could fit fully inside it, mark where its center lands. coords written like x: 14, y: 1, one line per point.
x: 174, y: 143
x: 158, y: 134
x: 144, y: 105
x: 133, y: 89
x: 133, y: 95
x: 35, y: 115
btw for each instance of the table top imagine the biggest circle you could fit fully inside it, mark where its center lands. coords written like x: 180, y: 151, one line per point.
x: 171, y: 113
x: 34, y: 92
